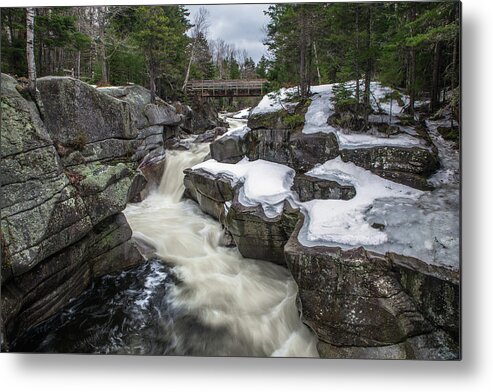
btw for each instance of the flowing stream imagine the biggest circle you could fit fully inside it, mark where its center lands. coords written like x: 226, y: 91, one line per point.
x: 196, y: 297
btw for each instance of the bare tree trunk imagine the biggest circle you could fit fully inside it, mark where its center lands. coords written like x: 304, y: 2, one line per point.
x: 390, y: 111
x: 357, y: 54
x: 187, y: 75
x: 9, y: 29
x: 152, y: 80
x: 200, y: 24
x: 302, y: 43
x: 77, y: 65
x: 455, y: 62
x: 31, y: 65
x: 317, y: 63
x: 104, y: 67
x: 435, y: 88
x: 412, y: 65
x: 368, y: 67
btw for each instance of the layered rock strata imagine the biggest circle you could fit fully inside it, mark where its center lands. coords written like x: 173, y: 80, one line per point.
x: 67, y: 173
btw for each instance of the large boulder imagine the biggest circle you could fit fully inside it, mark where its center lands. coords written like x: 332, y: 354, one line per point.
x: 209, y: 191
x: 277, y: 136
x: 256, y: 235
x: 229, y: 148
x: 42, y: 291
x: 161, y: 114
x: 137, y: 98
x: 42, y: 211
x: 103, y: 188
x: 73, y: 109
x: 292, y: 148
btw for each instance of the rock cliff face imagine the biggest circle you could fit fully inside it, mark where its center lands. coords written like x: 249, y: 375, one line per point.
x: 67, y: 173
x: 360, y: 303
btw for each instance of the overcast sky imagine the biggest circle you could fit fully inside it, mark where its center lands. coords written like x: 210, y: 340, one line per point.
x: 238, y: 24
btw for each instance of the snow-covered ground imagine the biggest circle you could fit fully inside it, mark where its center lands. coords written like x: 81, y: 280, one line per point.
x: 240, y: 131
x: 237, y: 123
x: 322, y: 107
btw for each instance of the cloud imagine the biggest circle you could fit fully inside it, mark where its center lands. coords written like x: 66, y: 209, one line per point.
x: 238, y: 24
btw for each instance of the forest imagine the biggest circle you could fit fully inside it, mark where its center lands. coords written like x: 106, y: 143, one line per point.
x: 413, y: 47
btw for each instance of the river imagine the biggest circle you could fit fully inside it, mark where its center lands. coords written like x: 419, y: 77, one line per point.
x: 195, y: 297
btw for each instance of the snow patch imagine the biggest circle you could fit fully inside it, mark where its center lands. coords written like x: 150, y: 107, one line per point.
x: 238, y: 132
x: 363, y: 140
x: 265, y: 183
x: 274, y: 102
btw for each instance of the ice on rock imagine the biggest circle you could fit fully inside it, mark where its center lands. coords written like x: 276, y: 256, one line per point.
x: 384, y: 217
x: 355, y: 140
x: 343, y: 222
x: 426, y: 228
x: 265, y: 183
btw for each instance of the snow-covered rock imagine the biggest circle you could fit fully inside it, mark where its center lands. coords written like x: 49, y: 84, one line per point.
x: 264, y: 183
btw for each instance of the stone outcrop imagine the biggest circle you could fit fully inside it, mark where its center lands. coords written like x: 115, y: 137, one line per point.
x: 209, y: 191
x: 66, y: 176
x: 256, y: 235
x: 278, y: 137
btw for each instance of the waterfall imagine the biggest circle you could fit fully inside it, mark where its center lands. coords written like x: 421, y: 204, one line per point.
x: 246, y: 307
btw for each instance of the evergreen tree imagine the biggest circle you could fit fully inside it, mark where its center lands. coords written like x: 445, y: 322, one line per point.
x: 160, y: 35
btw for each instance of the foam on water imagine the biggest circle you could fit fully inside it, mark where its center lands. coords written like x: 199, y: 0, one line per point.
x: 253, y: 300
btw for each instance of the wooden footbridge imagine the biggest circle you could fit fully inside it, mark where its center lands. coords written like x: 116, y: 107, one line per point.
x: 227, y: 88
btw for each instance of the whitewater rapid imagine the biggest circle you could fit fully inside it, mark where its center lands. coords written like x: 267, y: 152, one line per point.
x: 252, y: 302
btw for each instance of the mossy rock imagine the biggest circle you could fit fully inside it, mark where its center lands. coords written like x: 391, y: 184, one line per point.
x: 281, y: 119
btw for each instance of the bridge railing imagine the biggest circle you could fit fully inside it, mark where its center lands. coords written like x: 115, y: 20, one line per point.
x: 232, y: 84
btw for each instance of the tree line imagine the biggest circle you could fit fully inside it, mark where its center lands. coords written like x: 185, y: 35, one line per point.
x: 156, y: 46
x: 411, y: 46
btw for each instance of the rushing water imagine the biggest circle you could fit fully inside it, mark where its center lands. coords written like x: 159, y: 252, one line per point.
x: 195, y: 297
